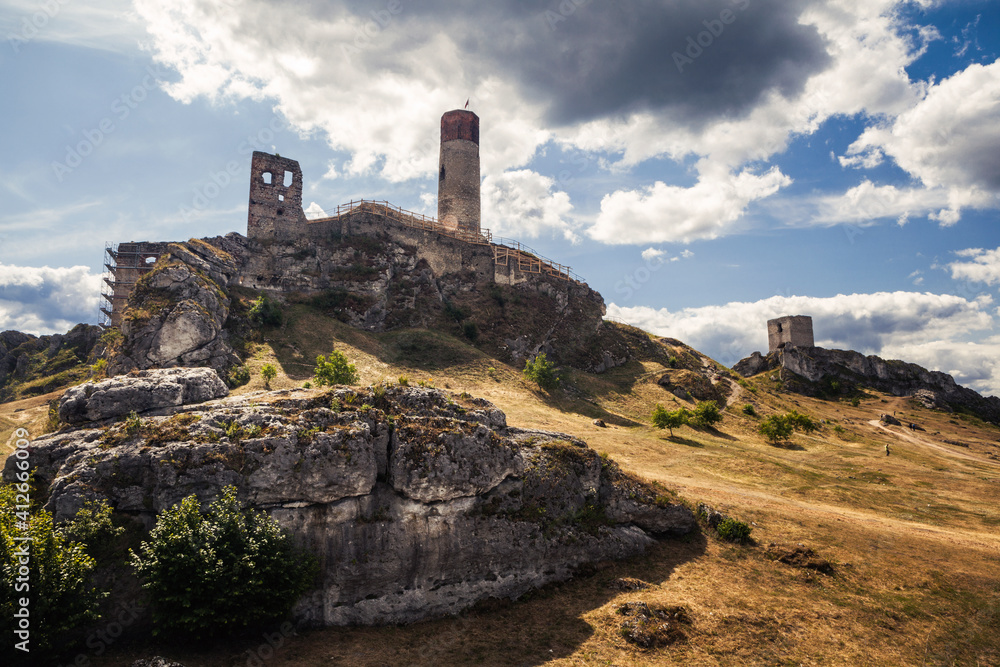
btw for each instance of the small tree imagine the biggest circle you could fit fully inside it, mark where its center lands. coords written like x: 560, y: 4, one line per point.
x: 706, y: 413
x: 268, y: 372
x: 801, y: 422
x: 221, y: 572
x: 59, y: 570
x: 670, y: 420
x: 775, y: 428
x: 335, y: 369
x: 265, y: 311
x: 542, y: 372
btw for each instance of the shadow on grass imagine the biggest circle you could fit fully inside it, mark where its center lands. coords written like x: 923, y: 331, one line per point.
x: 791, y: 446
x: 541, y: 626
x: 681, y: 440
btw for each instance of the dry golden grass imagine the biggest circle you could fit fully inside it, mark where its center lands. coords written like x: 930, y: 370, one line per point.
x: 914, y: 538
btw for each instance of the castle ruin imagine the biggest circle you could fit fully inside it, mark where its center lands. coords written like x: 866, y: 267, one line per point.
x: 789, y: 331
x: 453, y: 242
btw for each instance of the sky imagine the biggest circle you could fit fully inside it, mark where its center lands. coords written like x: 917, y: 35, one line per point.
x: 704, y: 164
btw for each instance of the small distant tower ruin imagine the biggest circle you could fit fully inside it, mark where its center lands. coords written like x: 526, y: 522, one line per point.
x: 458, y: 176
x: 275, y: 209
x: 790, y: 331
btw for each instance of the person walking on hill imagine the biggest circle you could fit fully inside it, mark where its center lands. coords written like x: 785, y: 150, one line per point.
x: 887, y: 449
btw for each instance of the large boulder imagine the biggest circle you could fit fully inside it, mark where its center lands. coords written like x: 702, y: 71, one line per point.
x: 416, y: 504
x: 140, y: 392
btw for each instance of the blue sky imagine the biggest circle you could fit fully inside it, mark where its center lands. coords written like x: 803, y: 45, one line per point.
x: 704, y: 164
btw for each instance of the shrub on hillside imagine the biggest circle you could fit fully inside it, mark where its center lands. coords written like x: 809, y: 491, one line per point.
x: 733, y: 530
x: 749, y: 410
x: 542, y: 372
x: 706, y: 414
x: 59, y: 568
x: 238, y: 376
x: 268, y: 372
x: 775, y: 428
x: 221, y: 572
x: 335, y: 369
x: 265, y: 311
x: 662, y: 418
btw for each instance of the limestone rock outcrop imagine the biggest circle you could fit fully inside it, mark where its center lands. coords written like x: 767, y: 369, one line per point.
x: 177, y: 312
x: 140, y: 392
x: 813, y: 370
x: 20, y: 353
x: 415, y: 502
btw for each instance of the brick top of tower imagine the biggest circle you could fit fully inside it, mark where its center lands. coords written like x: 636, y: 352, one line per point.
x: 460, y: 124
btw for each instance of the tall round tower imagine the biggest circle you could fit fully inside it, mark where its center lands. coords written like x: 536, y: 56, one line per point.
x: 458, y: 176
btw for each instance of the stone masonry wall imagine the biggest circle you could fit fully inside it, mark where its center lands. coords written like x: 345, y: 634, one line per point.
x: 789, y: 331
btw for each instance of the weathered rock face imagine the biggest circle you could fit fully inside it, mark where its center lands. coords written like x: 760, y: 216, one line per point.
x: 140, y: 392
x: 853, y: 369
x: 414, y: 504
x: 177, y: 311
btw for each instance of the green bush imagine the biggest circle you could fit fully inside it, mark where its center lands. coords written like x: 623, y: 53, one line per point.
x: 662, y: 418
x: 706, y: 414
x: 265, y: 311
x: 238, y: 376
x: 749, y: 410
x: 775, y: 428
x: 470, y: 331
x: 855, y: 402
x: 335, y: 369
x: 63, y: 599
x: 801, y: 422
x: 542, y: 371
x: 733, y: 530
x: 221, y: 572
x: 268, y: 372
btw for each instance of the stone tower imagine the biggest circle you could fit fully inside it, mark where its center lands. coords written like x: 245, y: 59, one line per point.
x: 275, y: 209
x: 793, y: 331
x: 458, y: 176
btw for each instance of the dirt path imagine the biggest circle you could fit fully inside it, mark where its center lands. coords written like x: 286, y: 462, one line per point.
x: 915, y: 440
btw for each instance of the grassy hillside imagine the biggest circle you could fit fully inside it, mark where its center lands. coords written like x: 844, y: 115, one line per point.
x: 912, y: 538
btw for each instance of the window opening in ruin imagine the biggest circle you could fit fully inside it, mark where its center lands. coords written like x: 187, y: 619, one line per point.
x: 288, y: 179
x: 779, y: 328
x: 150, y: 260
x: 441, y: 175
x: 267, y: 177
x: 281, y: 197
x: 281, y: 211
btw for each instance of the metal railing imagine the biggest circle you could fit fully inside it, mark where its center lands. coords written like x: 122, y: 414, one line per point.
x: 505, y: 251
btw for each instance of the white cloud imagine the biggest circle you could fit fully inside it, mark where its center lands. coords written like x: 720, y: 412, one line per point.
x: 524, y: 203
x: 43, y: 300
x: 949, y: 140
x: 934, y: 330
x: 984, y: 266
x: 652, y: 253
x: 314, y: 211
x: 666, y: 213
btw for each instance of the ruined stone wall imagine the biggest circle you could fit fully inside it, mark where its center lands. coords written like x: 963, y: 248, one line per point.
x: 275, y: 210
x: 794, y: 331
x: 129, y: 262
x: 458, y: 175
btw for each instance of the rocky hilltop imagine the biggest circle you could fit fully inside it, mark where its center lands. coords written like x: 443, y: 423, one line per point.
x: 416, y: 502
x: 184, y: 313
x: 46, y: 361
x: 815, y: 371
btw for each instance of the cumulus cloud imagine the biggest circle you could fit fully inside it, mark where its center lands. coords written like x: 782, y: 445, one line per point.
x: 602, y: 78
x: 983, y: 266
x: 43, y: 300
x: 524, y: 203
x: 913, y: 326
x: 949, y: 140
x: 663, y: 212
